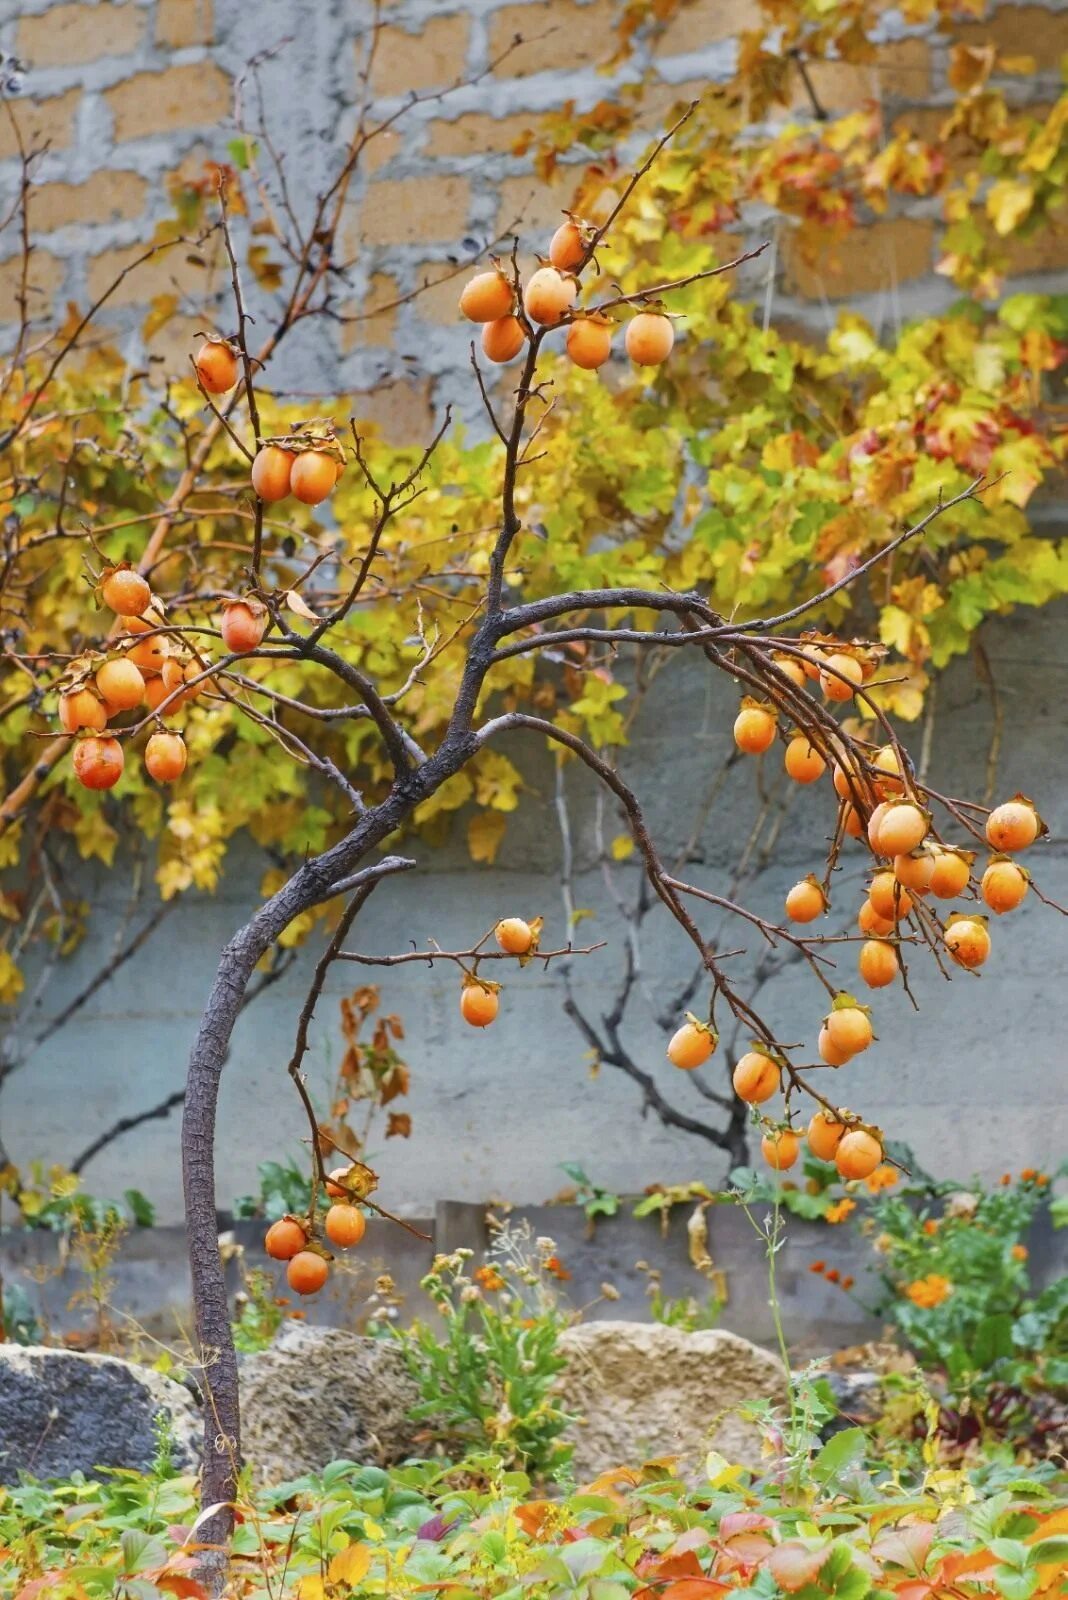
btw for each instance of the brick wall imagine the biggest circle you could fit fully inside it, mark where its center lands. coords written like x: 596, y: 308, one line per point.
x: 126, y: 92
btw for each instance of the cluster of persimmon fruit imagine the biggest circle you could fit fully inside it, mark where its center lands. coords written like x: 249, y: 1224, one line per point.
x: 881, y: 805
x: 305, y: 463
x: 508, y: 311
x: 145, y: 669
x: 295, y: 1240
x: 480, y: 999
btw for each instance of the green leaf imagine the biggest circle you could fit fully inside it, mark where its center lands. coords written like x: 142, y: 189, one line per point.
x: 837, y: 1454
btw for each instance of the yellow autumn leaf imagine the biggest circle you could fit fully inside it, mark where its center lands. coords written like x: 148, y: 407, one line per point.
x: 12, y: 982
x: 622, y: 846
x: 484, y: 834
x: 350, y: 1565
x: 1008, y: 203
x: 311, y: 1588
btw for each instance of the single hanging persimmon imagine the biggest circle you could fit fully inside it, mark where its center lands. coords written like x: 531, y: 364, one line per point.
x: 952, y: 870
x: 487, y: 297
x: 589, y: 342
x: 345, y: 1225
x: 479, y: 1003
x: 874, y: 824
x: 756, y: 1077
x: 889, y: 899
x: 859, y: 1153
x: 272, y: 472
x: 81, y: 708
x: 125, y: 592
x: 780, y: 1148
x: 549, y: 296
x: 803, y: 761
x: 313, y: 476
x: 307, y: 1272
x: 806, y: 901
x: 878, y: 963
x: 791, y: 668
x: 216, y: 365
x: 165, y: 757
x: 888, y: 773
x: 903, y: 827
x: 121, y: 684
x: 691, y: 1045
x: 837, y: 667
x: 649, y: 338
x: 334, y: 1186
x: 968, y: 941
x: 915, y: 870
x: 1003, y: 886
x: 502, y: 339
x: 829, y: 1052
x: 825, y: 1135
x: 567, y: 246
x: 243, y: 625
x: 1014, y: 825
x: 849, y: 1029
x: 514, y: 935
x: 284, y: 1239
x: 98, y: 763
x: 869, y: 920
x: 754, y: 729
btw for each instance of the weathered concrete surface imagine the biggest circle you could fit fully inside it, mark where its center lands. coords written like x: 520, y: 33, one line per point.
x: 642, y: 1390
x: 62, y: 1411
x: 495, y: 1113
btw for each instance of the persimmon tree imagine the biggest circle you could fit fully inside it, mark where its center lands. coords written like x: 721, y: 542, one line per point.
x: 336, y: 686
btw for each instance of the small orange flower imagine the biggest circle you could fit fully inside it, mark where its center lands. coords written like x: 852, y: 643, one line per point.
x: 840, y: 1210
x: 554, y: 1265
x: 297, y: 1316
x: 818, y: 1266
x: 1028, y: 1174
x: 883, y: 1177
x: 929, y: 1292
x: 847, y: 1281
x: 1019, y: 1252
x: 1043, y: 1178
x: 931, y: 1225
x: 489, y: 1278
x: 1005, y: 1179
x: 832, y: 1275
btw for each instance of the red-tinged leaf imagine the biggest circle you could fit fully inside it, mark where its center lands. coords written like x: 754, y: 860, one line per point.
x: 793, y: 1565
x: 736, y: 1522
x: 685, y: 1565
x: 906, y: 1546
x: 533, y: 1516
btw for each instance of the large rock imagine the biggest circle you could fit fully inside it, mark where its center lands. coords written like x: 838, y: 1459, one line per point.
x: 319, y: 1395
x: 645, y: 1390
x: 62, y: 1411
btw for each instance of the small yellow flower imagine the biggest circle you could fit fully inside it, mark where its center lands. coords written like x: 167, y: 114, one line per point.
x: 840, y: 1210
x: 489, y: 1278
x: 929, y: 1292
x: 883, y: 1177
x: 1019, y: 1252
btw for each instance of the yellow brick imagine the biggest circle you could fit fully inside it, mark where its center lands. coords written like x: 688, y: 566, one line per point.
x: 375, y: 326
x: 1043, y: 251
x: 65, y: 36
x: 900, y: 71
x: 42, y: 285
x: 867, y: 260
x: 398, y: 412
x: 39, y: 120
x: 476, y: 134
x: 1018, y: 31
x: 439, y: 300
x: 557, y: 35
x: 158, y: 102
x: 184, y: 22
x: 526, y: 206
x: 436, y: 55
x: 413, y: 211
x: 105, y: 197
x: 168, y: 272
x: 707, y: 22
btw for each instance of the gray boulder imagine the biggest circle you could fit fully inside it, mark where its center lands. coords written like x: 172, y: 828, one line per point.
x: 62, y: 1411
x: 319, y: 1395
x: 644, y: 1390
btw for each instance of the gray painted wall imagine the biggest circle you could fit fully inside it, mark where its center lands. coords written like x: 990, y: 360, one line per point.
x: 976, y: 1082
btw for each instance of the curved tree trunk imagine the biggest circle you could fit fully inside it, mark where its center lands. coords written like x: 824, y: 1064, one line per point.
x: 332, y: 873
